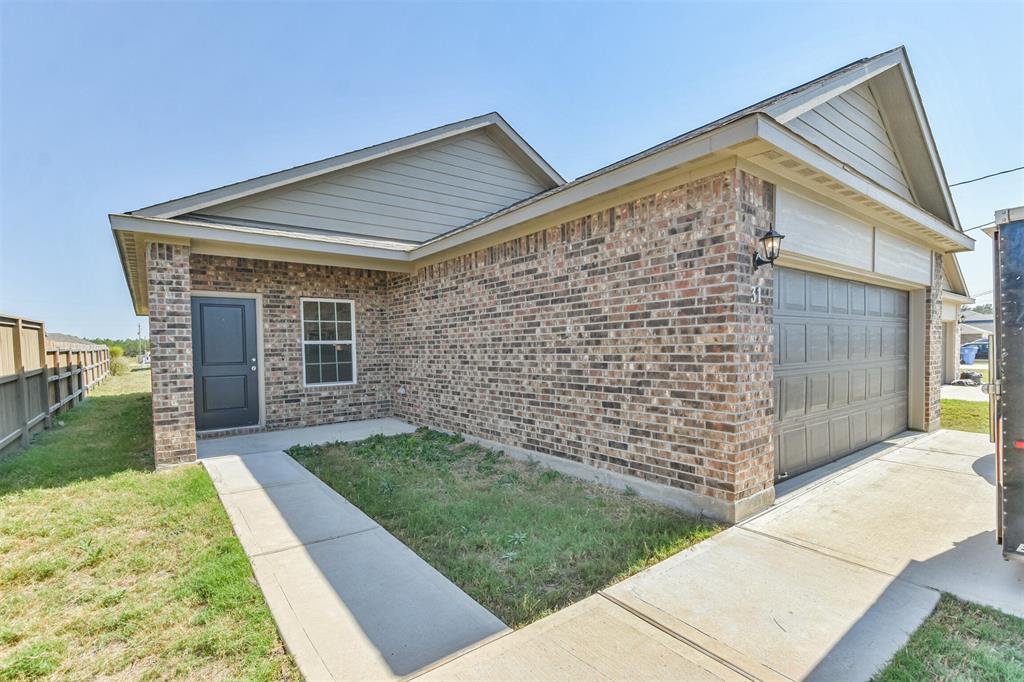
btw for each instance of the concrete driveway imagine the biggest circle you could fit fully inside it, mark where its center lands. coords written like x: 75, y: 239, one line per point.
x: 827, y: 584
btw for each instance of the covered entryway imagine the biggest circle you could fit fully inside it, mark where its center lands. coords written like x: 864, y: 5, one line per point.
x: 225, y: 362
x: 840, y: 367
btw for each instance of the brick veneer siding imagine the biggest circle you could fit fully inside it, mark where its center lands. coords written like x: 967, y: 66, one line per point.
x: 170, y: 336
x: 288, y: 402
x: 627, y: 339
x: 933, y: 346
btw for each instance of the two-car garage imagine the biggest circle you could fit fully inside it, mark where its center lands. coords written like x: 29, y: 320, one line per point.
x: 841, y: 367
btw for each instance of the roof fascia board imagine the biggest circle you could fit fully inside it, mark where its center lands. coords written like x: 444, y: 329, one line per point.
x: 238, y: 190
x: 929, y: 140
x: 229, y: 233
x: 551, y: 176
x: 802, y: 102
x: 954, y: 297
x: 729, y: 135
x: 959, y: 284
x: 791, y: 143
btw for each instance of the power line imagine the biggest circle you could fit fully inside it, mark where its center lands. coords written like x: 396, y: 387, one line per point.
x: 985, y: 177
x: 978, y: 227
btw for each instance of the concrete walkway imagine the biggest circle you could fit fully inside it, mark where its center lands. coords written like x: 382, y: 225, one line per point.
x: 826, y: 585
x: 971, y: 393
x: 350, y: 600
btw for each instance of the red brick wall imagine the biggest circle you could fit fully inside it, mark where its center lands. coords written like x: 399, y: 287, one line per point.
x: 627, y: 339
x: 170, y: 336
x: 288, y: 402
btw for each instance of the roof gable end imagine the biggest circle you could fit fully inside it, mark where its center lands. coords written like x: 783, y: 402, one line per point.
x: 488, y: 133
x: 409, y: 196
x: 869, y: 115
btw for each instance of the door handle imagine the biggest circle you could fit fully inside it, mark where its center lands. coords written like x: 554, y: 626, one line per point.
x: 253, y: 368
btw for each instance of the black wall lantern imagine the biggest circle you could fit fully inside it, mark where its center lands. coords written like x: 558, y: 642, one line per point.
x: 771, y: 246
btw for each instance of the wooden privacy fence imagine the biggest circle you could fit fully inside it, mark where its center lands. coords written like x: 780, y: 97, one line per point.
x: 41, y: 378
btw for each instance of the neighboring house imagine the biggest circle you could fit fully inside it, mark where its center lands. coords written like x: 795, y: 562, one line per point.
x: 453, y: 279
x: 976, y: 325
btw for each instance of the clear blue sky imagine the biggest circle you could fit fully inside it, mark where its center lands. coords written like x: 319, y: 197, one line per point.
x: 107, y: 107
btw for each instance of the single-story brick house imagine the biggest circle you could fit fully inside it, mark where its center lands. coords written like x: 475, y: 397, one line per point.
x: 617, y: 322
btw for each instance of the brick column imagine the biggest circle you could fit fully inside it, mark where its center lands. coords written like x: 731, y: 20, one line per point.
x: 753, y: 452
x: 170, y: 333
x: 933, y: 346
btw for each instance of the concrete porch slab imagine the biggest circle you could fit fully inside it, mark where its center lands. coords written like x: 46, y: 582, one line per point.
x: 593, y: 639
x: 369, y: 607
x: 266, y: 441
x: 235, y: 474
x: 767, y: 604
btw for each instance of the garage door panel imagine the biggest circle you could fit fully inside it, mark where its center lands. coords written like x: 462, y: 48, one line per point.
x: 901, y: 379
x: 874, y: 335
x: 857, y: 299
x: 817, y: 294
x: 794, y: 343
x: 858, y: 430
x: 794, y: 396
x: 817, y: 343
x: 817, y: 392
x: 842, y: 366
x: 858, y: 385
x: 839, y: 436
x: 839, y: 389
x: 792, y: 296
x: 840, y: 349
x: 888, y: 380
x: 817, y: 443
x: 873, y: 301
x: 858, y: 342
x: 839, y: 296
x: 794, y: 449
x: 889, y: 342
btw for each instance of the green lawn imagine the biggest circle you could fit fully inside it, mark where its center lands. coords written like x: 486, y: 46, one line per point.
x: 520, y: 539
x: 964, y: 415
x: 109, y: 570
x: 961, y: 641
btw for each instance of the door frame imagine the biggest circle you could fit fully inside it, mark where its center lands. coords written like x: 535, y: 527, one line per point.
x: 260, y: 383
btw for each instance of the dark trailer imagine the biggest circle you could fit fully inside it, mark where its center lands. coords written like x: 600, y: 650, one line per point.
x: 1006, y: 392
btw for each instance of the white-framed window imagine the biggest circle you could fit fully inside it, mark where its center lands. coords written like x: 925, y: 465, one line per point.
x: 328, y: 341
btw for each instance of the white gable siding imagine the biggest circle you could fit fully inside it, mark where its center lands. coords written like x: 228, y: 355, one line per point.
x: 411, y: 197
x: 850, y: 127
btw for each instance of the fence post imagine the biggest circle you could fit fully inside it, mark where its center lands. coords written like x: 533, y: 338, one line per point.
x: 77, y: 372
x: 21, y: 389
x: 45, y: 364
x: 59, y: 382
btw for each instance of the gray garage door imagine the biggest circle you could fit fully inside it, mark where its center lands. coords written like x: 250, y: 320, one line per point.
x: 840, y: 368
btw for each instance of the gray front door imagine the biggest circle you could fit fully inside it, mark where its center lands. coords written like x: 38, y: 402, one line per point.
x: 840, y: 367
x: 224, y: 362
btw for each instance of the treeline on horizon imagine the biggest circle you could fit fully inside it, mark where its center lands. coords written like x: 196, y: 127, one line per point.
x: 132, y: 347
